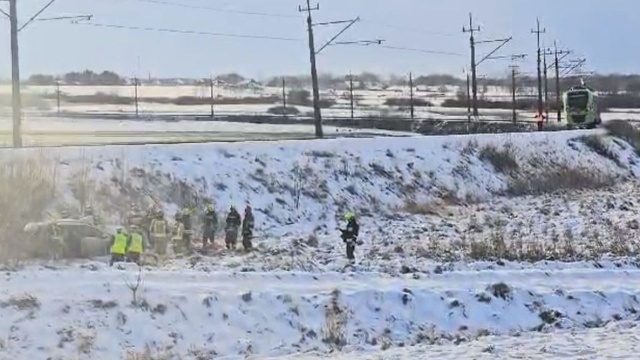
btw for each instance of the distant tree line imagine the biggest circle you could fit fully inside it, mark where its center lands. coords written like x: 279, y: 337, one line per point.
x: 609, y: 84
x: 86, y: 77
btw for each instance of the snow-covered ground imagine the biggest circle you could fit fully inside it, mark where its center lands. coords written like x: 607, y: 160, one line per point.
x: 617, y: 340
x: 368, y: 103
x: 234, y: 314
x: 53, y: 131
x: 470, y: 243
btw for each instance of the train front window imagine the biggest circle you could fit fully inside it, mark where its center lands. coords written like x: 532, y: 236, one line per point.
x: 578, y: 101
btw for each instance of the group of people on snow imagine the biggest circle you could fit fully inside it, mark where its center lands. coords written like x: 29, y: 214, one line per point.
x: 129, y: 242
x: 153, y: 230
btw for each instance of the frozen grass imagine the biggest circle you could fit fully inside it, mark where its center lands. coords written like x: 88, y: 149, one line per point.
x: 617, y: 340
x: 453, y: 206
x: 27, y: 188
x: 455, y: 248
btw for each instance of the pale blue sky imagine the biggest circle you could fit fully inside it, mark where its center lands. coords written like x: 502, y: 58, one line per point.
x: 603, y: 31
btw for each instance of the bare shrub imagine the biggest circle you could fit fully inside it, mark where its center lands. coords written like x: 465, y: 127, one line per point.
x: 104, y: 305
x: 470, y: 147
x: 151, y: 353
x: 423, y: 208
x: 26, y: 190
x: 558, y: 177
x: 281, y: 110
x: 335, y: 323
x: 22, y: 302
x: 498, y: 245
x: 625, y: 131
x: 500, y: 290
x: 597, y: 145
x: 407, y: 102
x: 134, y: 287
x: 82, y: 186
x: 503, y: 160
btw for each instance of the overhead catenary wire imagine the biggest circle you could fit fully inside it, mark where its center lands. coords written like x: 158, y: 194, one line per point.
x: 31, y: 19
x: 400, y: 48
x: 187, y: 32
x: 215, y: 9
x: 407, y: 29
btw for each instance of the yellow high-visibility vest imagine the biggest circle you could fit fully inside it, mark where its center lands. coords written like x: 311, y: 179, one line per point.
x: 136, y: 243
x: 120, y: 245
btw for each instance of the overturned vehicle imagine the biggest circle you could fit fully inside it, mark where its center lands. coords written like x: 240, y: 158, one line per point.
x: 66, y: 239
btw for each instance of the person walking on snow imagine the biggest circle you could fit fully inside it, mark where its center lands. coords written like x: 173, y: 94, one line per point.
x: 119, y: 247
x: 188, y: 229
x: 350, y: 235
x: 136, y: 245
x: 158, y: 229
x: 178, y: 236
x: 210, y: 226
x: 232, y: 225
x: 247, y: 228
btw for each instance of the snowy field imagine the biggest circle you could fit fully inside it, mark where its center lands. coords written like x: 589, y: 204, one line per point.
x: 52, y: 131
x: 368, y: 103
x: 488, y: 246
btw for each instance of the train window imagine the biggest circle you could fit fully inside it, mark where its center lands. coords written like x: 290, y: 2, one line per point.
x: 578, y: 100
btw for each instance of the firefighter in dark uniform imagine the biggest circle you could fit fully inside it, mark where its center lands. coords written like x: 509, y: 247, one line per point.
x: 350, y: 235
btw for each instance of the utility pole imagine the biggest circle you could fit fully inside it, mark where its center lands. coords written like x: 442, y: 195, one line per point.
x: 556, y: 65
x: 474, y: 81
x: 317, y: 115
x: 468, y: 96
x: 474, y: 64
x: 558, y: 95
x: 538, y: 32
x: 15, y: 76
x: 514, y: 72
x: 546, y: 85
x: 135, y: 93
x: 58, y: 95
x: 514, y: 69
x: 16, y: 100
x: 351, y: 94
x: 411, y: 95
x: 313, y: 53
x: 284, y: 96
x: 213, y: 114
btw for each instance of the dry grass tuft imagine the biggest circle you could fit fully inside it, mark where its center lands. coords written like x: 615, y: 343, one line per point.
x: 626, y: 131
x: 500, y: 244
x: 503, y: 160
x: 557, y: 178
x: 27, y: 187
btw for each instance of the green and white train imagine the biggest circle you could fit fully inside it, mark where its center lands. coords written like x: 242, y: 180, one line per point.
x: 581, y: 109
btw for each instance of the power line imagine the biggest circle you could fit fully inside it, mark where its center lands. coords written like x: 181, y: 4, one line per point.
x: 406, y: 29
x: 214, y: 9
x: 37, y: 14
x: 187, y: 32
x: 433, y: 52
